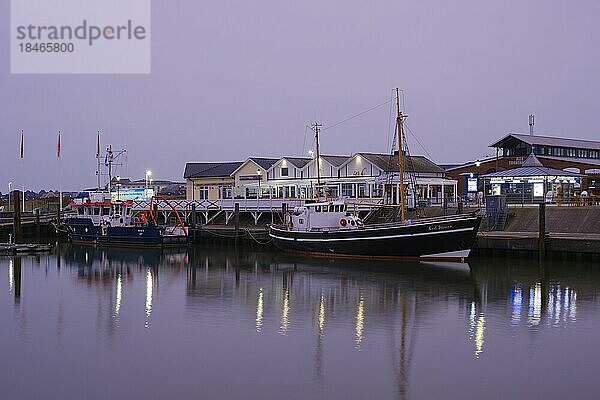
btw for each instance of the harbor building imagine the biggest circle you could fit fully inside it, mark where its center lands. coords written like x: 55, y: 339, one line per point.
x: 365, y: 176
x: 577, y: 156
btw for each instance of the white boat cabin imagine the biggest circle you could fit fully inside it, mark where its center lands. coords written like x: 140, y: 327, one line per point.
x: 331, y: 215
x: 105, y: 213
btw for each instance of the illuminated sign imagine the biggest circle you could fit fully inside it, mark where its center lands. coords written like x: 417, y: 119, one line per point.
x: 471, y: 184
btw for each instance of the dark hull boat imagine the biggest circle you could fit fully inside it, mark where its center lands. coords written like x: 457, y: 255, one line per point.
x: 440, y: 238
x: 83, y: 231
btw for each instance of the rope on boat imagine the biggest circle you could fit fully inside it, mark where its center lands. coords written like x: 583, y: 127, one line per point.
x: 256, y: 240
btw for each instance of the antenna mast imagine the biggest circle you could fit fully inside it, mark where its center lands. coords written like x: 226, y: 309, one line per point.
x: 400, y: 123
x: 531, y: 124
x: 315, y: 127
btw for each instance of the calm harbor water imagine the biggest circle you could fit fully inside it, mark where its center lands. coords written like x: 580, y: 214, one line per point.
x: 87, y: 323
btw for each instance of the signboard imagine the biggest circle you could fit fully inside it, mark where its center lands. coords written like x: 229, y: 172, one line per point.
x: 131, y: 194
x: 471, y: 184
x: 256, y: 177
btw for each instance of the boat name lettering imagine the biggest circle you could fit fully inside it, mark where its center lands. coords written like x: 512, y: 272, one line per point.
x: 440, y: 227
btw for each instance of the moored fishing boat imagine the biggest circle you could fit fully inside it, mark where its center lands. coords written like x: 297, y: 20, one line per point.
x: 328, y: 228
x: 99, y: 221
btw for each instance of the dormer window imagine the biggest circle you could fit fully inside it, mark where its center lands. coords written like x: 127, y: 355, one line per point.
x: 285, y: 171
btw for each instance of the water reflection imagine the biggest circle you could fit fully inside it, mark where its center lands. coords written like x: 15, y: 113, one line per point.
x: 332, y: 311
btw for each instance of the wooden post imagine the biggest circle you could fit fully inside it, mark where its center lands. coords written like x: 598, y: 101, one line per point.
x: 193, y: 219
x: 16, y: 198
x: 236, y: 220
x: 542, y: 231
x: 284, y: 213
x: 38, y: 228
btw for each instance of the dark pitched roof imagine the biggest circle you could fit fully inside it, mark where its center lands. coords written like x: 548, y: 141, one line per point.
x: 265, y: 163
x: 298, y: 162
x: 535, y: 140
x: 389, y: 163
x: 336, y: 161
x: 210, y: 169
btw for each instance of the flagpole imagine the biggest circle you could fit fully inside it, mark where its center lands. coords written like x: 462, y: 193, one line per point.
x: 60, y: 197
x: 23, y: 169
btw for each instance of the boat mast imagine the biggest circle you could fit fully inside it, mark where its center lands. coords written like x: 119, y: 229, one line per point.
x: 98, y: 159
x: 400, y: 123
x: 110, y: 159
x: 315, y: 128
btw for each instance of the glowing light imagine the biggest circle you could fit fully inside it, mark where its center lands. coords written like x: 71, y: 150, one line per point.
x: 285, y: 311
x: 360, y: 322
x: 148, y: 295
x: 259, y: 310
x: 119, y: 295
x: 321, y: 315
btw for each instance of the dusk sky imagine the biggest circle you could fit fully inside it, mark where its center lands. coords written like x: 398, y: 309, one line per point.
x: 236, y: 79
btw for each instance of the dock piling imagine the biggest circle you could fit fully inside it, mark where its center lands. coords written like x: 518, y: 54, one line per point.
x: 542, y: 231
x: 38, y: 226
x: 16, y: 198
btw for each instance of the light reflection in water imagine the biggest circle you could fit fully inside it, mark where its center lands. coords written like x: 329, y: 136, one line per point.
x: 11, y: 275
x: 479, y: 335
x: 477, y: 329
x: 561, y: 304
x: 119, y: 294
x: 148, y: 296
x: 360, y: 317
x: 535, y: 304
x: 285, y: 311
x: 517, y: 304
x: 259, y: 310
x: 321, y: 315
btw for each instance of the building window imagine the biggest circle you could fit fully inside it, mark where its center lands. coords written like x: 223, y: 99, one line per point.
x: 225, y: 192
x: 290, y: 191
x: 203, y: 192
x: 347, y: 190
x: 285, y: 171
x: 362, y: 190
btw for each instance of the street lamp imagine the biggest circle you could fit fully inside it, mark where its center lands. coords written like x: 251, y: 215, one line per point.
x: 477, y: 164
x: 9, y: 189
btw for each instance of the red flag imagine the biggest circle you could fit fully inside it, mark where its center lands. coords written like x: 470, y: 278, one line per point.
x: 22, y: 144
x: 58, y: 146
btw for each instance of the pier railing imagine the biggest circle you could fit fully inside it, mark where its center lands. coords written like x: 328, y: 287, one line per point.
x: 245, y: 205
